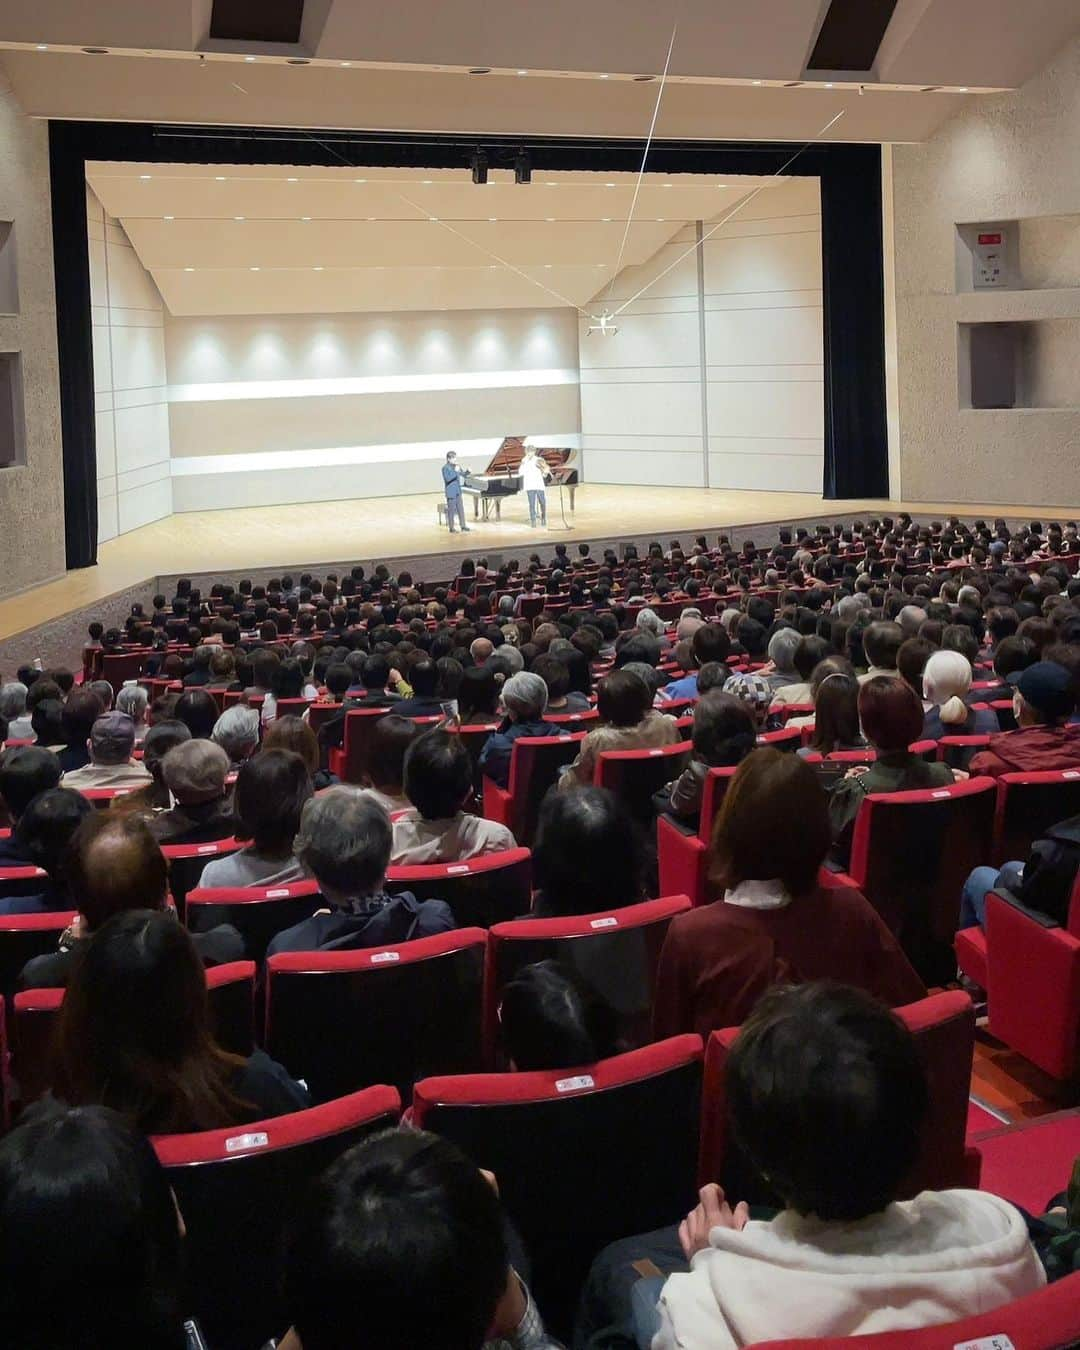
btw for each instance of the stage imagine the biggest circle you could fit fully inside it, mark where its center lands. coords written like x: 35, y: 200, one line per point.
x: 403, y: 532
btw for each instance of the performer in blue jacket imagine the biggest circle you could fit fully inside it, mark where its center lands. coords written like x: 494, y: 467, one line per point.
x: 455, y: 505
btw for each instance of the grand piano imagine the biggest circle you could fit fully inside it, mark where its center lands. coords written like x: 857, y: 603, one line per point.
x: 502, y: 477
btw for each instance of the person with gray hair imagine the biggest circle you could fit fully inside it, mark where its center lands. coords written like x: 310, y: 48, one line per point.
x: 524, y: 702
x: 155, y: 796
x: 195, y: 774
x: 104, y: 690
x: 133, y: 701
x: 344, y: 842
x: 782, y: 648
x: 849, y: 605
x: 509, y: 653
x: 911, y: 618
x: 112, y: 739
x: 651, y: 622
x: 13, y: 711
x: 237, y: 732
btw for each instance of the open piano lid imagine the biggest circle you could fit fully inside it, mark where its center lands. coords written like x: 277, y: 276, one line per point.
x: 507, y: 459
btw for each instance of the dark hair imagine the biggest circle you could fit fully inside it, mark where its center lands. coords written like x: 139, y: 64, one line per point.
x: 47, y: 826
x: 400, y: 1243
x: 588, y: 854
x: 891, y: 713
x: 26, y: 770
x: 957, y: 637
x: 1013, y: 654
x: 337, y: 679
x: 836, y: 715
x: 293, y: 733
x: 753, y: 838
x: 438, y: 774
x: 81, y: 711
x: 271, y: 791
x: 911, y: 661
x: 551, y: 1019
x: 116, y: 864
x: 553, y: 671
x: 134, y: 1030
x: 375, y: 672
x: 881, y: 642
x: 198, y: 711
x: 623, y: 698
x: 827, y: 1095
x: 724, y: 729
x: 423, y: 677
x: 710, y: 643
x: 81, y: 1186
x: 478, y: 692
x: 808, y: 654
x: 388, y: 743
x: 288, y: 680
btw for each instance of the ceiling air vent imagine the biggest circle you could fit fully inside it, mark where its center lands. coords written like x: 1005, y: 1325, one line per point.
x: 851, y: 35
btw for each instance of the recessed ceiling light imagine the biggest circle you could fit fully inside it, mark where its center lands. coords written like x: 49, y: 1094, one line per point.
x: 316, y: 269
x: 605, y: 77
x: 548, y: 266
x: 254, y: 269
x: 292, y: 180
x: 493, y: 267
x: 660, y: 220
x: 550, y: 219
x: 757, y: 81
x: 43, y: 46
x: 371, y: 218
x: 346, y: 63
x: 426, y: 182
x: 249, y: 59
x: 305, y: 217
x: 168, y: 217
x: 549, y: 184
x: 189, y: 269
x: 963, y: 88
x: 665, y: 185
x: 145, y: 177
x: 607, y: 220
x: 359, y: 180
x: 219, y: 178
x: 239, y: 217
x: 434, y: 219
x: 828, y: 84
x: 609, y: 184
x: 523, y: 72
x: 492, y: 219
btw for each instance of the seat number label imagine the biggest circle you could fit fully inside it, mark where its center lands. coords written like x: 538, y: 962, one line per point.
x: 610, y: 922
x: 239, y: 1142
x: 584, y: 1080
x: 380, y: 958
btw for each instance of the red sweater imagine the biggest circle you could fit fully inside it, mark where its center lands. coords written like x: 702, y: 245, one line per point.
x: 1029, y: 750
x: 718, y: 960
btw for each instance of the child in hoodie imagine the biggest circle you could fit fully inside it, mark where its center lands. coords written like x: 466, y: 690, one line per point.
x: 827, y: 1097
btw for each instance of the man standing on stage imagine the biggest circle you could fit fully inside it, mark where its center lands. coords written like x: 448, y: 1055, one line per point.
x: 455, y: 503
x: 534, y: 472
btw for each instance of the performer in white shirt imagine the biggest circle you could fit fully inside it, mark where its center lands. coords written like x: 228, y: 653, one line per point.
x: 534, y: 474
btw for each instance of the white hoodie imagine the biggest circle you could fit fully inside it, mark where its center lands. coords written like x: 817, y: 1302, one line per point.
x: 940, y: 1257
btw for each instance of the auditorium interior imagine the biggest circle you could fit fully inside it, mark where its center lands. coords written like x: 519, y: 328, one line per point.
x: 654, y: 921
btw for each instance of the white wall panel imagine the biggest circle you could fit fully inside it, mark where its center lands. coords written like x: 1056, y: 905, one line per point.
x: 642, y: 409
x: 646, y: 466
x: 757, y: 409
x: 138, y: 357
x: 749, y: 469
x: 142, y: 436
x: 773, y: 334
x: 139, y: 506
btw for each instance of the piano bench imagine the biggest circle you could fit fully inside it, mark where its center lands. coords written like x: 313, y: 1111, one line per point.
x: 440, y: 513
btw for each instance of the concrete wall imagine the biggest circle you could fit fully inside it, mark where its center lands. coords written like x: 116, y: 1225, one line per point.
x: 31, y: 492
x: 1009, y: 159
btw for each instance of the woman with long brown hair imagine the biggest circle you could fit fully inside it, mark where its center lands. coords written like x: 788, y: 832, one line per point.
x: 134, y: 1034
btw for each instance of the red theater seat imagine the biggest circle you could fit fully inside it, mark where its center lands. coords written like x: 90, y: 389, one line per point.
x: 910, y: 856
x: 583, y: 1156
x: 186, y: 863
x: 944, y: 1029
x: 1030, y: 969
x: 1028, y: 804
x: 345, y: 1020
x: 24, y: 936
x: 258, y: 912
x: 682, y: 850
x: 237, y: 1190
x: 481, y: 891
x: 634, y: 775
x: 614, y: 951
x: 535, y: 762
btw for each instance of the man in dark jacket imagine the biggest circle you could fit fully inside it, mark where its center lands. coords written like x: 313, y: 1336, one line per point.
x: 1044, y: 702
x: 1043, y: 882
x: 524, y: 701
x: 344, y: 841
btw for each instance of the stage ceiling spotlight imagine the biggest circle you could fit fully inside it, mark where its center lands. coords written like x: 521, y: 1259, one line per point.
x: 603, y: 324
x: 522, y: 167
x: 479, y: 167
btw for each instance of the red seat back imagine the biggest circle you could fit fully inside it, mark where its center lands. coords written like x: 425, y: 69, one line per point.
x: 481, y: 891
x: 717, y: 782
x: 258, y: 912
x: 911, y: 853
x: 1028, y: 804
x: 634, y: 775
x: 615, y: 952
x: 344, y: 1020
x: 944, y: 1029
x: 535, y: 762
x: 24, y: 936
x: 583, y: 1155
x: 186, y: 863
x: 358, y: 723
x: 238, y: 1189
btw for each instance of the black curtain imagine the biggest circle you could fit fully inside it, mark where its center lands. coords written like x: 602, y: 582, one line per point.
x: 75, y: 346
x: 856, y: 440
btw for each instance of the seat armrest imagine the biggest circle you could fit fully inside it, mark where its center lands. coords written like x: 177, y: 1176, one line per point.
x: 1035, y: 915
x: 497, y: 802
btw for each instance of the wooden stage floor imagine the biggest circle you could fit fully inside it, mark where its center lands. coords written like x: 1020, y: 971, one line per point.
x: 256, y: 540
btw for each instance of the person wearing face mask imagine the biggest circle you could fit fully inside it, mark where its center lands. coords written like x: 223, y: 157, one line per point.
x: 1043, y: 702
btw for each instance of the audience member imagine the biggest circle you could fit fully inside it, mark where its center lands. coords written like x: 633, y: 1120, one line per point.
x: 195, y: 773
x: 756, y: 694
x: 772, y: 921
x: 1044, y: 882
x: 836, y: 717
x: 946, y: 685
x: 293, y: 733
x: 13, y: 711
x: 162, y: 737
x: 629, y: 722
x: 134, y: 1034
x: 1043, y: 702
x: 271, y: 792
x: 112, y: 740
x: 724, y: 734
x: 424, y: 701
x: 892, y: 721
x: 402, y: 1243
x: 115, y: 865
x: 478, y: 696
x: 781, y: 672
x: 42, y: 836
x: 25, y: 771
x: 134, y: 702
x: 237, y: 732
x: 524, y: 701
x: 881, y: 641
x: 83, y: 1183
x: 549, y: 1018
x: 709, y: 643
x: 810, y: 651
x: 81, y: 711
x: 439, y: 785
x: 199, y: 712
x: 344, y: 842
x: 588, y: 854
